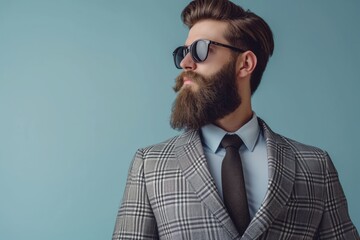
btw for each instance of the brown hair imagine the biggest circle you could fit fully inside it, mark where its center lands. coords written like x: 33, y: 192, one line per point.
x: 246, y: 30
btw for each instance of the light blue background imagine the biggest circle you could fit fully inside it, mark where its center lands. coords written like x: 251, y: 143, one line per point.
x: 80, y: 79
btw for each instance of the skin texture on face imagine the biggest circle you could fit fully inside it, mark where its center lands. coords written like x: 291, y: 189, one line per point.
x: 211, y: 30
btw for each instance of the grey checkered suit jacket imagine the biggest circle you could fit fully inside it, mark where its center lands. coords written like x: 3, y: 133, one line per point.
x: 170, y: 194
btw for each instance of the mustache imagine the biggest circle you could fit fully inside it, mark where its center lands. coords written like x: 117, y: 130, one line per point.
x: 195, y: 77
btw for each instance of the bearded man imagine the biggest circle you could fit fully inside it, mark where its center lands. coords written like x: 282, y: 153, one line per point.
x: 228, y: 175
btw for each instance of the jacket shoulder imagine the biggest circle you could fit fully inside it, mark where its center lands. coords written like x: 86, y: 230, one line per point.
x: 301, y: 147
x: 166, y: 145
x: 288, y: 142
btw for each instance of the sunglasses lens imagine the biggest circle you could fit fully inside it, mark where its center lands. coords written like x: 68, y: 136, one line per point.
x: 200, y: 50
x: 178, y: 56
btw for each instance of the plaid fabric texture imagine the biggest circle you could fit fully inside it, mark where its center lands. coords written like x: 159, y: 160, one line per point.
x: 170, y: 194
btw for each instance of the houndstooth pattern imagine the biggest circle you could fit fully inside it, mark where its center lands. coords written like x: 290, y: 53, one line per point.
x: 170, y: 194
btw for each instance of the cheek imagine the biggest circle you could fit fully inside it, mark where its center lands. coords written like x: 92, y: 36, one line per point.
x: 206, y: 69
x: 213, y: 64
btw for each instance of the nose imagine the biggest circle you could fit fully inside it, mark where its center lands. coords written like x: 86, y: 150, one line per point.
x: 188, y: 63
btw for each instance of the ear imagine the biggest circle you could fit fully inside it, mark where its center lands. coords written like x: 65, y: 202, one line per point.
x: 246, y: 64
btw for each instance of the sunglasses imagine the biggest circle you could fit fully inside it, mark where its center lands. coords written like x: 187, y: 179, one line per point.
x: 199, y: 51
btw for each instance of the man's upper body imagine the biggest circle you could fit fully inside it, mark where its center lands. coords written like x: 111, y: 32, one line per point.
x: 171, y: 194
x: 173, y: 188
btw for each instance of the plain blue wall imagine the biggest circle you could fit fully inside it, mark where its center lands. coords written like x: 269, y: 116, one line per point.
x: 78, y: 80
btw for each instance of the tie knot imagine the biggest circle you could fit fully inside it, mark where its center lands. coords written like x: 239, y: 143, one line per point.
x: 232, y: 140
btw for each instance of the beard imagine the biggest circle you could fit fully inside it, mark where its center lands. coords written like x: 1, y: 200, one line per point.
x: 206, y: 99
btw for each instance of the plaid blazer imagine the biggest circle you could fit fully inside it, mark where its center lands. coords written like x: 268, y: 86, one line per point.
x: 170, y: 194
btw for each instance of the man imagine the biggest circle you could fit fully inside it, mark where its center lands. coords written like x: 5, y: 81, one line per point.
x: 196, y: 185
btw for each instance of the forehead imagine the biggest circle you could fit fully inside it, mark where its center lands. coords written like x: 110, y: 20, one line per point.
x: 207, y: 29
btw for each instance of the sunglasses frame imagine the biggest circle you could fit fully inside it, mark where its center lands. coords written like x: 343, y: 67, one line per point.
x: 187, y: 49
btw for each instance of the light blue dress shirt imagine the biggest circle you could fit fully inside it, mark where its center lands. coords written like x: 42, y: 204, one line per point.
x: 253, y: 156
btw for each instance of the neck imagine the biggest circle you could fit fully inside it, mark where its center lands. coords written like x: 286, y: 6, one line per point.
x: 238, y: 118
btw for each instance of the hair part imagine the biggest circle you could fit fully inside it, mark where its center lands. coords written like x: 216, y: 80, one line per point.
x: 246, y: 30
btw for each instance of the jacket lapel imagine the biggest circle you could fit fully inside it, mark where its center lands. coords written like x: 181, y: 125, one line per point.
x: 281, y: 169
x: 192, y: 161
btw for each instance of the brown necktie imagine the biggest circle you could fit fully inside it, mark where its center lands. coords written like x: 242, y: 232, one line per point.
x: 233, y: 183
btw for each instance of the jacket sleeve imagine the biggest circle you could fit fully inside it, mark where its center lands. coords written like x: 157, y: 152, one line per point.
x: 135, y: 219
x: 336, y: 222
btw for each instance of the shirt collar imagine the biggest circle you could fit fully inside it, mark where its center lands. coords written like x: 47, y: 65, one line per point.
x: 249, y: 133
